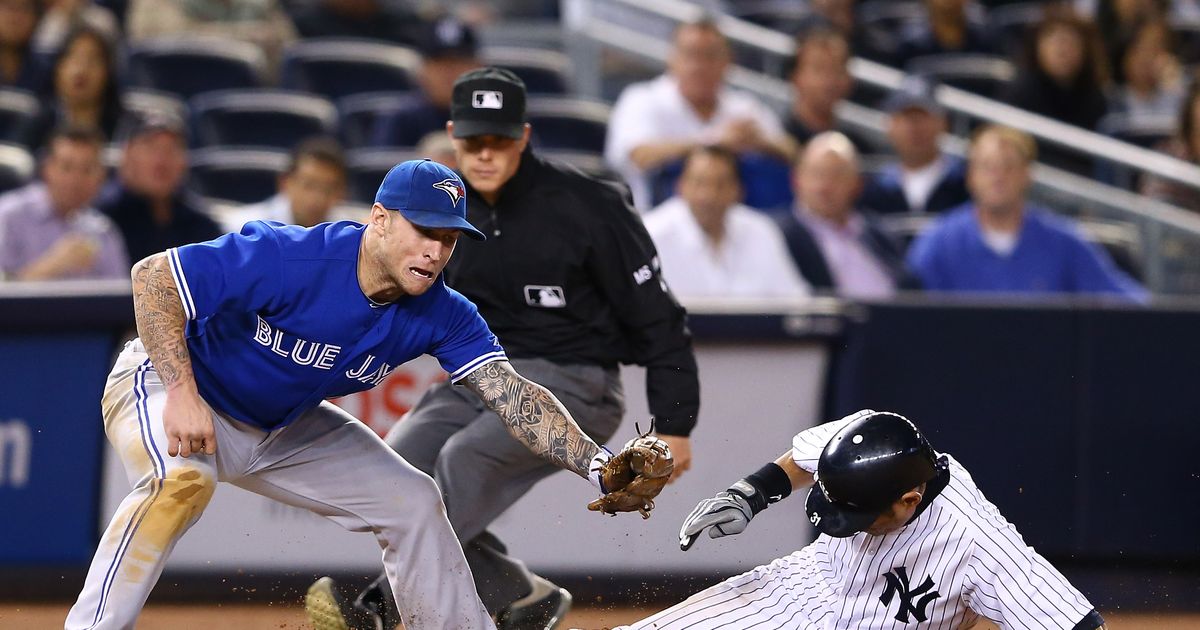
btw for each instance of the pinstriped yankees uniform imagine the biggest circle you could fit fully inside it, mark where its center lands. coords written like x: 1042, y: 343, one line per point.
x: 957, y: 560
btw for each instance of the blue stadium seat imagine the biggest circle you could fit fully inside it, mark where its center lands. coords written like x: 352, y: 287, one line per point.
x: 543, y: 71
x: 1144, y: 131
x: 367, y: 168
x: 189, y: 66
x: 336, y: 67
x: 985, y: 75
x: 568, y: 123
x: 235, y: 174
x: 19, y: 112
x: 1011, y: 24
x: 358, y: 113
x: 16, y: 166
x: 263, y: 118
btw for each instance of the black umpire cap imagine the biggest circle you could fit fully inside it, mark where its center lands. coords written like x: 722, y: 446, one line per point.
x: 867, y: 465
x: 488, y: 101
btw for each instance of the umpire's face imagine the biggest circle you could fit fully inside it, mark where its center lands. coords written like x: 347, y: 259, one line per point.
x: 488, y: 162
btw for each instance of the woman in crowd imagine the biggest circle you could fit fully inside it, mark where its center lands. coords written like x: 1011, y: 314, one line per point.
x: 1185, y: 146
x: 82, y: 86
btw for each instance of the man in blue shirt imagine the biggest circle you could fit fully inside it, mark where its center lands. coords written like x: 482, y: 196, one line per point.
x: 999, y: 243
x: 241, y: 341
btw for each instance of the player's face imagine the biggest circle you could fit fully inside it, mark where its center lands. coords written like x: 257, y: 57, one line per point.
x: 412, y: 256
x: 896, y: 516
x: 488, y: 162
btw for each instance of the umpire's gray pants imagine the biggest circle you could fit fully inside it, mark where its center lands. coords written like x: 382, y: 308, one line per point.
x: 482, y: 470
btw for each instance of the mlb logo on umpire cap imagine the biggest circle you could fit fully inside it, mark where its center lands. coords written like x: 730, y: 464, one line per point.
x: 488, y: 101
x: 418, y: 190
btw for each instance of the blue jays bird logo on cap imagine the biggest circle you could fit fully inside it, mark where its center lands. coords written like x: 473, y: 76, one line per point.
x: 453, y: 188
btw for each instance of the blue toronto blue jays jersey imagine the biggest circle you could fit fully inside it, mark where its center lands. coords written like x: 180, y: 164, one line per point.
x: 277, y: 321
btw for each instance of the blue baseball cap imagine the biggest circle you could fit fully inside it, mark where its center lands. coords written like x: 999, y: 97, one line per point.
x: 428, y: 194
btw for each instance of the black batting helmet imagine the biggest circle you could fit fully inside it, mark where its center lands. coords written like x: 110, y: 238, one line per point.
x: 867, y: 465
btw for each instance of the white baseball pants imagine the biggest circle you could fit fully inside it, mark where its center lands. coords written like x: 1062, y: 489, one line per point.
x: 325, y: 461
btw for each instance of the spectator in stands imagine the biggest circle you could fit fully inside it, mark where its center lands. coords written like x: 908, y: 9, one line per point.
x: 1117, y: 19
x: 874, y: 44
x: 922, y: 179
x: 49, y: 229
x: 62, y: 17
x: 311, y: 187
x: 656, y: 123
x: 260, y: 22
x: 1147, y: 73
x: 1185, y: 146
x: 820, y: 80
x: 448, y: 48
x: 437, y: 146
x: 390, y: 20
x: 82, y: 89
x: 710, y: 245
x: 946, y: 30
x: 148, y: 201
x: 1063, y: 74
x: 999, y: 242
x: 838, y: 248
x: 19, y: 66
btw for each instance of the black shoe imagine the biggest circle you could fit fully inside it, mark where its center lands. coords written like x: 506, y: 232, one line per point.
x: 328, y: 611
x: 542, y: 609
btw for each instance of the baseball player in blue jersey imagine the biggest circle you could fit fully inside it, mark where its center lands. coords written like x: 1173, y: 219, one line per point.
x: 241, y: 341
x: 906, y: 538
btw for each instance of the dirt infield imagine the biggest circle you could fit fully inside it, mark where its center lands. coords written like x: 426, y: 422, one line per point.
x: 291, y: 617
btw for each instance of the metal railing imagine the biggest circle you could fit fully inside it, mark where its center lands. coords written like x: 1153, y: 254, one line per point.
x: 1169, y: 236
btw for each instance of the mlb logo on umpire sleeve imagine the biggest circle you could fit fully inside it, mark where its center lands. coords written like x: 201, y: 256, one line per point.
x: 545, y: 296
x: 487, y: 99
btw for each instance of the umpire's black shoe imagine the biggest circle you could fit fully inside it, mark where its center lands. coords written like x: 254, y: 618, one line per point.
x: 327, y: 610
x: 542, y: 609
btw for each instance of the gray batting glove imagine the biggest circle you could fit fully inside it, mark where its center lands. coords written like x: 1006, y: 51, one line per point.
x: 726, y: 514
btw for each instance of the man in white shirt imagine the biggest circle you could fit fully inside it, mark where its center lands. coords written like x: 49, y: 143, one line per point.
x: 710, y: 245
x: 657, y: 122
x: 313, y: 184
x: 836, y: 247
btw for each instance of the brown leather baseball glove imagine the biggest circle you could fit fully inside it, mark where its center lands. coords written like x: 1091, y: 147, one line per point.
x: 634, y: 477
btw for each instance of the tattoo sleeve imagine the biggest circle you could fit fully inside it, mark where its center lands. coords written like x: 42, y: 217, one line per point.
x: 533, y: 415
x: 161, y: 321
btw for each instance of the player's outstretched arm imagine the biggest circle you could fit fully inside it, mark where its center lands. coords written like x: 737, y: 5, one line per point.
x: 730, y: 511
x: 160, y: 325
x: 533, y: 415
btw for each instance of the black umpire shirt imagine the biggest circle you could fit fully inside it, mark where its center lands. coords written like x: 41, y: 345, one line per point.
x: 568, y: 273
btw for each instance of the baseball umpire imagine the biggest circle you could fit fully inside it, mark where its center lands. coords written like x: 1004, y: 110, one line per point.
x: 905, y: 537
x: 241, y: 340
x: 569, y: 280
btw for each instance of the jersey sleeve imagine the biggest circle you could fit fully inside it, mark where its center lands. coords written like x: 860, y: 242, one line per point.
x: 808, y: 444
x: 465, y: 343
x: 626, y: 267
x: 1011, y: 584
x: 235, y: 272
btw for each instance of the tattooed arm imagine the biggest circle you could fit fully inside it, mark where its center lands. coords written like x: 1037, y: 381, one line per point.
x: 533, y: 415
x: 160, y: 325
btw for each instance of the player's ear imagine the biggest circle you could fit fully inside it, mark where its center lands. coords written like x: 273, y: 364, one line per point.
x: 912, y: 498
x: 379, y: 217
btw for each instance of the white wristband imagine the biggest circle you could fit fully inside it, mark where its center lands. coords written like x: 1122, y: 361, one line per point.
x: 597, y: 464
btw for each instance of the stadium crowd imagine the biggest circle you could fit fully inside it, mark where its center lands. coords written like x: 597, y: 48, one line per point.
x: 155, y: 123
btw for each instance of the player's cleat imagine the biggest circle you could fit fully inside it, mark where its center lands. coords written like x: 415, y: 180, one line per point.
x: 328, y: 611
x: 542, y: 609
